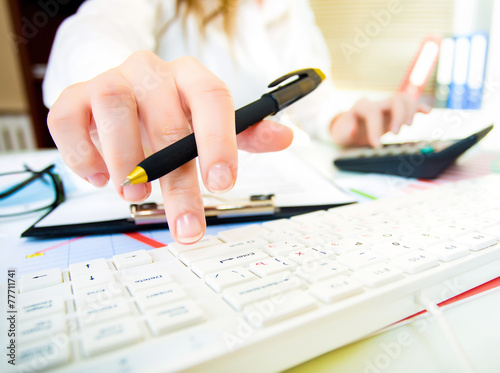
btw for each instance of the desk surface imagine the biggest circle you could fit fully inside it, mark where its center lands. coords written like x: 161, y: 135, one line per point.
x: 414, y: 346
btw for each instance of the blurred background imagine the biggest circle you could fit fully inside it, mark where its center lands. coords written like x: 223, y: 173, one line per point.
x: 373, y: 43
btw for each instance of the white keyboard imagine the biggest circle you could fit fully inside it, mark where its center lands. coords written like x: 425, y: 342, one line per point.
x: 264, y: 297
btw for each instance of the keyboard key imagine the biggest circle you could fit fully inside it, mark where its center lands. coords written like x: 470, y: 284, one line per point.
x: 92, y: 279
x: 271, y: 266
x: 315, y: 271
x: 89, y: 267
x: 29, y: 307
x: 391, y: 249
x: 52, y: 353
x: 346, y: 245
x: 308, y: 254
x: 39, y: 328
x: 39, y: 280
x: 377, y: 275
x: 89, y: 314
x: 146, y: 276
x: 173, y: 316
x: 493, y: 231
x: 422, y: 239
x: 132, y: 259
x: 159, y: 295
x: 415, y: 261
x: 451, y: 230
x: 221, y: 280
x: 110, y: 335
x: 206, y: 241
x: 448, y: 251
x: 359, y: 259
x: 248, y: 231
x: 477, y: 223
x: 99, y: 293
x: 267, y: 312
x: 282, y: 247
x: 244, y: 294
x: 238, y: 258
x: 335, y: 289
x: 188, y: 258
x: 476, y: 241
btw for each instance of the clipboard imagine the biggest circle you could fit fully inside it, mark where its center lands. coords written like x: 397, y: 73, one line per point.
x: 285, y: 183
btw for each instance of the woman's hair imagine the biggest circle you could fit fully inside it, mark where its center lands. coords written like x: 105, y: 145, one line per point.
x: 223, y: 8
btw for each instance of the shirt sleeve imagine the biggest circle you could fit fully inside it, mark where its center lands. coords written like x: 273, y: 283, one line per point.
x: 99, y: 36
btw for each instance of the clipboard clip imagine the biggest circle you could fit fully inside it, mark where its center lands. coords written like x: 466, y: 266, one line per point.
x: 261, y: 204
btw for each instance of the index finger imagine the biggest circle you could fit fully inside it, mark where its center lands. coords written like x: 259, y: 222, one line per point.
x: 211, y: 106
x: 374, y: 121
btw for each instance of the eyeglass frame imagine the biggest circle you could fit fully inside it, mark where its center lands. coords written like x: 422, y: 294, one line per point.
x: 57, y: 183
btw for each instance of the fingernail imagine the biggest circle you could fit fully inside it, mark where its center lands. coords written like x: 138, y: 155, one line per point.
x: 98, y: 180
x: 188, y: 229
x: 220, y: 178
x: 135, y: 193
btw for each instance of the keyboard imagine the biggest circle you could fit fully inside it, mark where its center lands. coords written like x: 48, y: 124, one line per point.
x: 263, y: 297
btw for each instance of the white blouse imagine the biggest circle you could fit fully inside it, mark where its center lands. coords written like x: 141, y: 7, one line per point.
x: 270, y: 40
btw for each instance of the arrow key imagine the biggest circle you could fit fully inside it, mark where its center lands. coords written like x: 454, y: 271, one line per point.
x: 88, y: 267
x: 90, y: 279
x: 39, y: 280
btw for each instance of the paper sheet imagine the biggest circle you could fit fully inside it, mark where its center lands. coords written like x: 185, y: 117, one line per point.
x: 286, y: 175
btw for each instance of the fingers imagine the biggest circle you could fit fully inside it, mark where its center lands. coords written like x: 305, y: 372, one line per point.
x: 69, y: 127
x: 165, y: 114
x: 212, y: 109
x: 372, y: 116
x: 366, y: 122
x: 114, y: 109
x: 169, y: 100
x: 266, y: 136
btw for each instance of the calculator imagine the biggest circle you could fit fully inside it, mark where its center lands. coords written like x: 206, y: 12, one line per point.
x: 422, y: 159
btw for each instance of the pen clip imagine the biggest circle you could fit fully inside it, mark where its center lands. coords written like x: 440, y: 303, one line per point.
x: 151, y: 213
x: 307, y: 80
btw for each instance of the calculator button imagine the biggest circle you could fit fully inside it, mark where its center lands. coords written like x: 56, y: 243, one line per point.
x: 428, y: 149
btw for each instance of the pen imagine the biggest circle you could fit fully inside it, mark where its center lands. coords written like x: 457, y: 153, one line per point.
x: 184, y: 150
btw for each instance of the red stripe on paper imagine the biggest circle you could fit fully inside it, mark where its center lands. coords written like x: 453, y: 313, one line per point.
x: 145, y: 240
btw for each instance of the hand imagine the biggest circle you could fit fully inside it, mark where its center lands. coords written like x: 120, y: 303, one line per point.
x: 103, y: 126
x: 367, y: 121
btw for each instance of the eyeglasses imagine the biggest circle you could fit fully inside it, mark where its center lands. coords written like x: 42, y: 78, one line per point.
x: 27, y: 191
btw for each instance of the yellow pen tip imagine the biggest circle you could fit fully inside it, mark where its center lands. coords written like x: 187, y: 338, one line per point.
x: 137, y: 176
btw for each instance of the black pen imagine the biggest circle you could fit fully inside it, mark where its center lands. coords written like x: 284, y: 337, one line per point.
x: 184, y: 150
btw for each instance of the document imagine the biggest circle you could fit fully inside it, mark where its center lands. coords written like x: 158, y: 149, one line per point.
x: 295, y: 184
